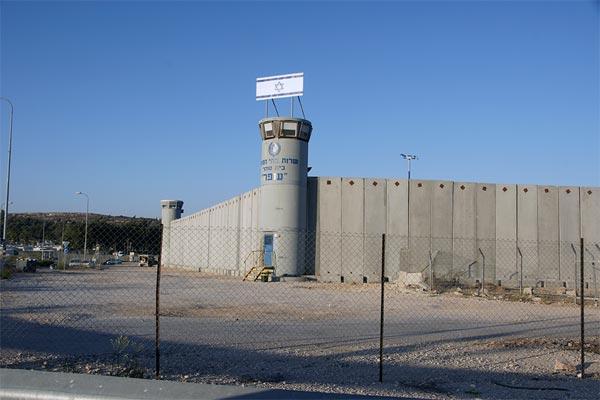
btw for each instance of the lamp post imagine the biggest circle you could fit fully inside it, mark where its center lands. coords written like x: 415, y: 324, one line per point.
x: 7, y: 170
x: 87, y: 211
x: 409, y: 158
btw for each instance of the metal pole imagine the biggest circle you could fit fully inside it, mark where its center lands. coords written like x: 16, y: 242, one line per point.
x: 292, y: 106
x: 482, y: 273
x: 43, y: 237
x: 581, y: 307
x: 10, y: 136
x: 575, y: 272
x: 62, y: 246
x: 382, y: 304
x: 157, y: 311
x: 409, y: 169
x: 521, y: 270
x: 301, y: 108
x: 87, y: 211
x: 430, y: 271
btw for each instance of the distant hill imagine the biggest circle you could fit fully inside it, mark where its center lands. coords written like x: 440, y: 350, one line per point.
x: 114, y: 232
x: 78, y: 216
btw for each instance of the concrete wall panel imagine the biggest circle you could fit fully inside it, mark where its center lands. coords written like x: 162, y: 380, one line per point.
x: 527, y: 231
x: 352, y: 229
x: 441, y: 228
x: 310, y: 241
x: 329, y: 226
x: 375, y: 226
x: 570, y: 233
x: 506, y: 235
x: 396, y: 253
x: 486, y: 228
x: 419, y: 224
x: 590, y: 230
x: 548, y: 236
x: 464, y: 223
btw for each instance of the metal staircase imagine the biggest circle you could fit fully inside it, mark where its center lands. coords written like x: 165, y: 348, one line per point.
x: 258, y: 270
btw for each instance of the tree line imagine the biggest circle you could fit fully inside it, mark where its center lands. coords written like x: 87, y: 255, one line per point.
x: 141, y: 235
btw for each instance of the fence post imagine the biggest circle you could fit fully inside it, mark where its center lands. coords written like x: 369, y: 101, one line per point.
x: 157, y: 309
x: 520, y: 270
x: 575, y: 271
x: 382, y: 303
x: 482, y: 272
x: 581, y: 307
x: 430, y: 271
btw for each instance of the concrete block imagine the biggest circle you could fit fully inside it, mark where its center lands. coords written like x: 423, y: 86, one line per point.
x: 506, y: 235
x: 465, y: 231
x: 412, y: 279
x: 310, y: 244
x: 590, y: 231
x: 329, y: 226
x: 486, y: 227
x: 375, y: 226
x: 419, y: 224
x: 396, y: 254
x: 352, y: 229
x: 441, y: 227
x: 569, y: 232
x: 527, y: 231
x: 548, y: 236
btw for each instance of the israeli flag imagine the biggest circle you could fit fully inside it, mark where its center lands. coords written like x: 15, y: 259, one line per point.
x: 277, y: 87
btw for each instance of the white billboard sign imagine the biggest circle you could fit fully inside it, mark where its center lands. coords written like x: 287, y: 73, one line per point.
x: 276, y: 87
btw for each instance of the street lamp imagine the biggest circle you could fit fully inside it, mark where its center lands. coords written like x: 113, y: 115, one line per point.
x: 409, y: 158
x: 8, y: 170
x: 87, y: 211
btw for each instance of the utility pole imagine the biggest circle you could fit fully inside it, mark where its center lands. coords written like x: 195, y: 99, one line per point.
x: 87, y: 211
x: 10, y: 136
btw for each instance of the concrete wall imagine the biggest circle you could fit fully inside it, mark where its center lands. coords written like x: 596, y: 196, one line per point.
x: 513, y: 226
x: 219, y: 239
x: 536, y: 227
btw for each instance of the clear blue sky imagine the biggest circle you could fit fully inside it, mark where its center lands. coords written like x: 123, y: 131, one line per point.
x: 139, y: 101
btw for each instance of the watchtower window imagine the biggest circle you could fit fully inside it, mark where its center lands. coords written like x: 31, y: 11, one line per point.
x: 289, y: 129
x: 304, y: 132
x: 268, y: 130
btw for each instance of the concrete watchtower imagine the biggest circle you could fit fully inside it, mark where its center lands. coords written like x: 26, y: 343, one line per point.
x: 170, y: 211
x: 284, y: 169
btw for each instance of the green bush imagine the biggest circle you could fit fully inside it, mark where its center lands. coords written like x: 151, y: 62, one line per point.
x: 6, y: 272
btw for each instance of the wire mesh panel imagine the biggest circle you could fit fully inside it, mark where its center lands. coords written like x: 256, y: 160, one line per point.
x: 230, y: 313
x: 66, y: 307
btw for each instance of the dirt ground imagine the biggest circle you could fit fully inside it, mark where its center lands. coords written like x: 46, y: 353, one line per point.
x: 297, y: 335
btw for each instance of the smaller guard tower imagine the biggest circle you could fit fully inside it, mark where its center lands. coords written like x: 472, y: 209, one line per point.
x: 170, y: 211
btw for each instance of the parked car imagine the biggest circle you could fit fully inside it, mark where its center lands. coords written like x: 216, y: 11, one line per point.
x: 148, y: 260
x: 75, y: 262
x: 79, y: 263
x: 112, y: 262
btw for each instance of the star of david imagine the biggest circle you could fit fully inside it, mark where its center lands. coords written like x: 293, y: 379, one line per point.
x: 279, y: 86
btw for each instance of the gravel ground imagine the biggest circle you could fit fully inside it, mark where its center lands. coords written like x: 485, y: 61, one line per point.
x: 303, y: 336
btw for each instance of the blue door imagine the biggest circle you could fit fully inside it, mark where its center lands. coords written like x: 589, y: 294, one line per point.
x: 268, y: 250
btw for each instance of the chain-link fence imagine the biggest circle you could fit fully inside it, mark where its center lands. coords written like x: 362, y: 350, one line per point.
x: 294, y: 308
